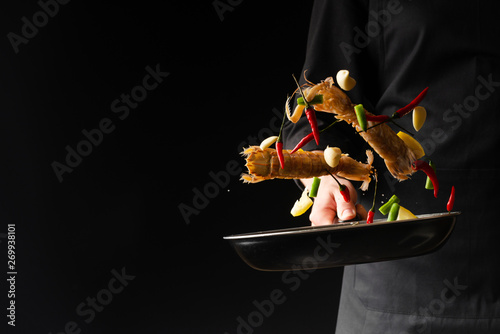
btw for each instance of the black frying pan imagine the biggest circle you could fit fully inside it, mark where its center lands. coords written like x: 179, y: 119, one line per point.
x: 344, y: 243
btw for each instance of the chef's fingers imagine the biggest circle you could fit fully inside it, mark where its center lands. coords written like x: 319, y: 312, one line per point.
x: 361, y: 212
x: 324, y: 209
x: 329, y: 205
x: 345, y: 210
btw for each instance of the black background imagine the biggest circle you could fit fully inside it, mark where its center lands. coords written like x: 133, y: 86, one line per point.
x: 119, y: 208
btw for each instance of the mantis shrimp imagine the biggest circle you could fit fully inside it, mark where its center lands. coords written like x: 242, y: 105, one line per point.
x: 263, y: 164
x: 400, y: 152
x: 398, y: 157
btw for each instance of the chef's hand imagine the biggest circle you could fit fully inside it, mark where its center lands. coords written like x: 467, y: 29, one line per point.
x: 329, y: 206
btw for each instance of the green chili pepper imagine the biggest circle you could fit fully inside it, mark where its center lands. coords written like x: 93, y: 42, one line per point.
x: 361, y: 115
x: 393, y: 213
x: 384, y: 209
x: 428, y: 182
x: 314, y: 187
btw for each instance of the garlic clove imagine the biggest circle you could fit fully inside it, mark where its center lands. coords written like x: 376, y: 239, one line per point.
x: 345, y: 81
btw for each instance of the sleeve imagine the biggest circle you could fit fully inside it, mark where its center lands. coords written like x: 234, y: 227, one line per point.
x: 334, y: 44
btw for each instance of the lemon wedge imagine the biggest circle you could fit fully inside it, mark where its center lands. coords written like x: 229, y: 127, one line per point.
x: 405, y: 214
x: 412, y: 143
x: 302, y: 205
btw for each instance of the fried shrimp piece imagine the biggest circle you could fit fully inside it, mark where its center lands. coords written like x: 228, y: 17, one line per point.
x: 264, y: 165
x: 397, y: 156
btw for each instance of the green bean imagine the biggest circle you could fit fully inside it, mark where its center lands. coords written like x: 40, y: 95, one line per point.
x: 393, y: 213
x: 361, y: 116
x: 428, y: 182
x: 314, y: 187
x: 384, y: 209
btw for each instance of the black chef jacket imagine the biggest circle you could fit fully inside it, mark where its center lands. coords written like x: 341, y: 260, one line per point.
x: 394, y: 49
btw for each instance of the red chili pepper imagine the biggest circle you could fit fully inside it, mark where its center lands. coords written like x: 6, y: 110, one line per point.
x: 310, y: 113
x: 310, y: 137
x: 377, y: 118
x: 403, y: 111
x: 451, y: 201
x: 345, y: 192
x: 369, y: 219
x: 279, y: 150
x: 303, y: 142
x: 311, y: 117
x: 427, y: 169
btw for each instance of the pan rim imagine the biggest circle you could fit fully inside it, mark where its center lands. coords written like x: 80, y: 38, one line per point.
x: 341, y: 226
